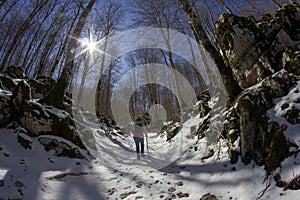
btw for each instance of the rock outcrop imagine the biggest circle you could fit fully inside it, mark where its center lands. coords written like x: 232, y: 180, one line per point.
x: 20, y: 107
x: 255, y: 49
x: 265, y: 60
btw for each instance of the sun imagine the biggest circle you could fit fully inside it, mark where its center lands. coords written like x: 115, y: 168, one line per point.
x: 91, y: 46
x: 88, y: 44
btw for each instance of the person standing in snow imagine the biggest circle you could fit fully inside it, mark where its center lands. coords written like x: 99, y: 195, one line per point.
x: 139, y: 132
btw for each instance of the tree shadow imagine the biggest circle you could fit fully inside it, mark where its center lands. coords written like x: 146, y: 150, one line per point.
x: 26, y: 168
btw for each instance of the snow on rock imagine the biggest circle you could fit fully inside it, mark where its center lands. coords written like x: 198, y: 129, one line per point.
x: 289, y: 106
x: 185, y: 167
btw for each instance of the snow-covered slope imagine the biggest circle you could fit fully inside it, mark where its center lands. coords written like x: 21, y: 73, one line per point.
x: 182, y: 168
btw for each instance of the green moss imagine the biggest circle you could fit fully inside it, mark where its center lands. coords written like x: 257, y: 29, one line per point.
x: 288, y: 17
x: 293, y: 63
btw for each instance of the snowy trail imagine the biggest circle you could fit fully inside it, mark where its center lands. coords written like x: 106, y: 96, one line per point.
x: 174, y: 170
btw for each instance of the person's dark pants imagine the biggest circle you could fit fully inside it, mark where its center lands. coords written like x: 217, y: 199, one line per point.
x: 139, y: 146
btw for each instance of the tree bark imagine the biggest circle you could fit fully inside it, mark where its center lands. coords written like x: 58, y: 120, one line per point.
x: 231, y: 86
x: 56, y: 95
x: 63, y: 46
x: 20, y: 33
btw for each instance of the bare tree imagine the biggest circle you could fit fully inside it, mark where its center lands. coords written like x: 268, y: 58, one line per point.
x: 41, y: 33
x: 8, y: 9
x: 231, y: 86
x: 56, y: 95
x: 58, y: 58
x: 20, y: 33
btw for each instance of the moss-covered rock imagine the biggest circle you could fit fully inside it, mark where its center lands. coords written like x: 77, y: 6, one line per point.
x: 241, y: 44
x: 289, y: 16
x: 278, y: 151
x: 279, y: 84
x: 250, y: 129
x: 291, y: 60
x: 254, y: 49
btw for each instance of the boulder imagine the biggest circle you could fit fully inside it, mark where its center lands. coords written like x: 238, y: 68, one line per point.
x: 15, y: 72
x: 60, y: 148
x: 41, y: 86
x: 171, y: 129
x: 21, y: 94
x: 252, y: 128
x: 278, y: 149
x: 7, y: 83
x: 46, y: 120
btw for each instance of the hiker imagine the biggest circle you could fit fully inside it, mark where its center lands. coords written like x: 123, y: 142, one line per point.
x: 139, y: 132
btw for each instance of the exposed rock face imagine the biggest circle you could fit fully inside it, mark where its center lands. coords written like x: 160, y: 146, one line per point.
x: 254, y: 49
x: 39, y: 120
x: 17, y: 106
x: 291, y: 61
x: 260, y: 139
x: 289, y: 16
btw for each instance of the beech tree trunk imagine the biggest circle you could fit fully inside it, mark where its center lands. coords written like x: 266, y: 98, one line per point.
x: 231, y: 86
x: 20, y: 33
x: 56, y: 95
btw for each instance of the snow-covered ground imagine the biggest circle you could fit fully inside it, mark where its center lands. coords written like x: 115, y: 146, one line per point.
x: 170, y: 170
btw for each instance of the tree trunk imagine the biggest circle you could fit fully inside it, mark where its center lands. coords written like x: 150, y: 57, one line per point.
x: 2, y: 3
x: 56, y: 95
x: 7, y: 10
x: 62, y: 47
x: 20, y: 33
x: 231, y: 86
x: 41, y: 65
